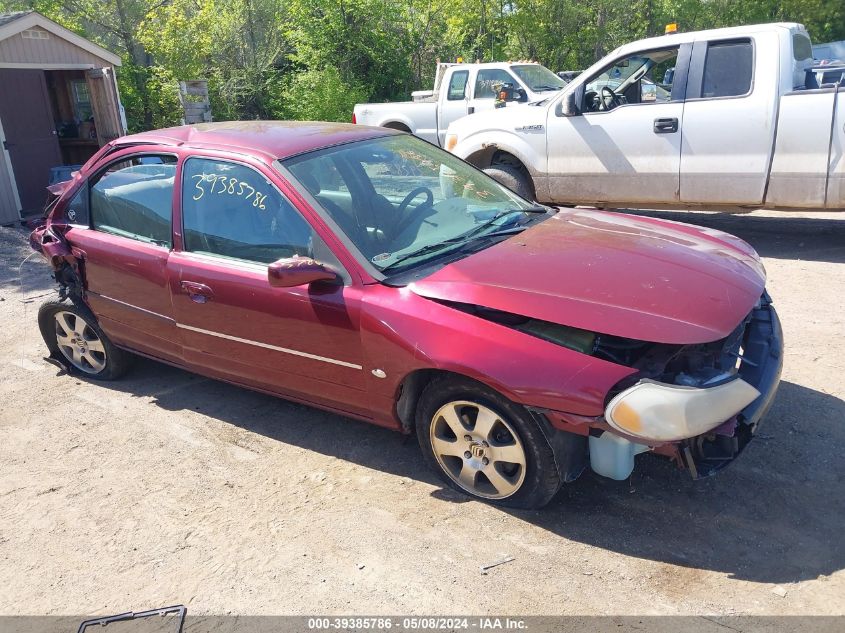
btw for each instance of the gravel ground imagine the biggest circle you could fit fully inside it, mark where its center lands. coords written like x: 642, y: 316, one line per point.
x: 167, y: 487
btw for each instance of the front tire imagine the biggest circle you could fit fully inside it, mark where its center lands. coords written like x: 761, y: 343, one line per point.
x: 513, y: 178
x: 74, y: 337
x: 485, y: 446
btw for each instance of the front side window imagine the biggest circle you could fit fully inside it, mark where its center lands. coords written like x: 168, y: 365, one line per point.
x: 231, y: 210
x: 403, y: 201
x: 133, y: 198
x: 489, y: 81
x: 641, y: 78
x: 728, y: 69
x: 458, y: 85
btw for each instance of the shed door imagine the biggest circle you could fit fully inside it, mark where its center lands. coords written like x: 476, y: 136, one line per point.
x: 104, y: 102
x: 30, y: 133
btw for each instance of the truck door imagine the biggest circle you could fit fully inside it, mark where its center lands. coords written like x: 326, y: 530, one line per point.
x: 484, y: 88
x: 453, y: 102
x: 729, y: 121
x: 625, y: 144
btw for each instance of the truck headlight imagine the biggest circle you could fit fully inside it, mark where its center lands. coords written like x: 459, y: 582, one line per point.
x: 451, y: 141
x: 661, y: 412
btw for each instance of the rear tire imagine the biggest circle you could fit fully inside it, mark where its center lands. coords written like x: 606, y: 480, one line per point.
x: 74, y: 337
x: 485, y: 446
x: 513, y: 178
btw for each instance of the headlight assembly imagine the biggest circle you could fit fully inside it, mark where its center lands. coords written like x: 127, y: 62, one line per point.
x: 661, y: 412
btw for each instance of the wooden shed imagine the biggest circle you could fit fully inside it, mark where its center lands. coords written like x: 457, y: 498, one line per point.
x: 59, y: 103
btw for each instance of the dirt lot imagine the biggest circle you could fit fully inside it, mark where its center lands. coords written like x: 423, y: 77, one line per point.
x: 167, y: 487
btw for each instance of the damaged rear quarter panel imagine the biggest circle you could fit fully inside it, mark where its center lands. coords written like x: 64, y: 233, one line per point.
x: 411, y: 333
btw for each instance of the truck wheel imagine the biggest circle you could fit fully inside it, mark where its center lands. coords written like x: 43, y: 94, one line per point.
x: 513, y: 178
x: 73, y: 336
x: 485, y: 446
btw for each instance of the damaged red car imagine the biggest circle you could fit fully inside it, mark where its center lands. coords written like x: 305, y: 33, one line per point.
x: 366, y: 271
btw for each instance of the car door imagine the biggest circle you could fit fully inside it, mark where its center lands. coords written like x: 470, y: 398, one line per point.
x: 729, y: 121
x: 121, y: 228
x: 453, y: 105
x: 625, y: 144
x: 303, y: 342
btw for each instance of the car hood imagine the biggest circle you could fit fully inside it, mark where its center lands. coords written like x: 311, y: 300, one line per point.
x: 634, y: 277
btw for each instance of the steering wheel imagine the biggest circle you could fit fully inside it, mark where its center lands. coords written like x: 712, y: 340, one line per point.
x: 609, y: 99
x: 429, y: 198
x: 404, y: 222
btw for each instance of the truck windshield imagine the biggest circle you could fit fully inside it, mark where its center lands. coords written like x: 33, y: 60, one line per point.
x: 403, y: 202
x: 538, y: 78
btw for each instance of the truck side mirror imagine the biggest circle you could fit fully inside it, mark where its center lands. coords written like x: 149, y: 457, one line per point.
x: 508, y: 93
x: 569, y: 104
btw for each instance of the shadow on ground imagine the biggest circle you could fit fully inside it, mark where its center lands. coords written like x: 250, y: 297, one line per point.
x: 775, y: 516
x: 781, y: 237
x: 24, y: 275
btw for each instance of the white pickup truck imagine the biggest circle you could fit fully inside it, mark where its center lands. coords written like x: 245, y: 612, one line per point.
x: 727, y: 119
x: 459, y: 90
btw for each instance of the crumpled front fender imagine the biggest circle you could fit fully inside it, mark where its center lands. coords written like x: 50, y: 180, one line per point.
x: 45, y: 240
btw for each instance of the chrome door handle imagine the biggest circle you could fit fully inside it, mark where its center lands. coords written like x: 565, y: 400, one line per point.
x: 198, y: 293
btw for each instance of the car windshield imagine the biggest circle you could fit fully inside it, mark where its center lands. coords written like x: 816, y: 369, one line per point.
x: 402, y: 201
x: 538, y: 78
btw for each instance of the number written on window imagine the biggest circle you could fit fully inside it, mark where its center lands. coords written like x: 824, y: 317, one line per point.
x: 233, y: 211
x: 226, y: 185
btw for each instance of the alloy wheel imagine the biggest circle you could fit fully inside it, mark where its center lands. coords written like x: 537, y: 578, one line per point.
x: 79, y: 343
x: 478, y: 449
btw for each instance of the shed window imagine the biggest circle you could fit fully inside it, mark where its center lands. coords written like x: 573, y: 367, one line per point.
x: 81, y: 96
x: 35, y: 34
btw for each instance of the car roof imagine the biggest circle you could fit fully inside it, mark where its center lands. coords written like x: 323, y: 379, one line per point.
x: 277, y: 139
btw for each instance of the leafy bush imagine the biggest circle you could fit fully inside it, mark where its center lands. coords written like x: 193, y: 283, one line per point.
x: 320, y: 95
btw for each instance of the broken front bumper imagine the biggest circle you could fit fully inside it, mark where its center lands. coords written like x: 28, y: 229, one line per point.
x: 703, y: 427
x: 762, y: 363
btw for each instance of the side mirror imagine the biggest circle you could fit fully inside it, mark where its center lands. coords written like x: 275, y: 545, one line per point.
x: 569, y: 104
x: 298, y: 271
x: 508, y: 93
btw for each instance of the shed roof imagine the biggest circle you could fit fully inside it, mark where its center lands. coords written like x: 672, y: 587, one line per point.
x: 5, y: 18
x: 13, y: 23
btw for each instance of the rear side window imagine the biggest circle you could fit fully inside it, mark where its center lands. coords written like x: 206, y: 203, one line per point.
x: 802, y: 47
x: 77, y: 209
x: 458, y: 85
x: 234, y: 211
x: 133, y: 198
x: 728, y: 69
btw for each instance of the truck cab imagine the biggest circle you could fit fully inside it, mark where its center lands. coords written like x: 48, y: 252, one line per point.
x: 727, y: 119
x: 459, y: 90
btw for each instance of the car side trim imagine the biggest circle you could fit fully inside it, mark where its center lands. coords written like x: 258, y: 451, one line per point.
x: 134, y: 307
x: 284, y: 350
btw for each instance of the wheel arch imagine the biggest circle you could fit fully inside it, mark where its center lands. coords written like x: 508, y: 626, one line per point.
x: 493, y: 154
x: 397, y: 125
x: 414, y: 383
x: 571, y: 452
x: 482, y: 151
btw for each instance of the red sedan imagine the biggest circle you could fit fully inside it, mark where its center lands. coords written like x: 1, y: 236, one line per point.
x: 370, y: 273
